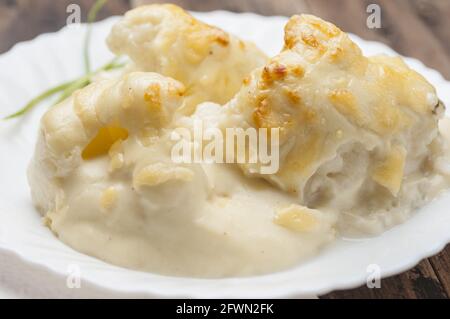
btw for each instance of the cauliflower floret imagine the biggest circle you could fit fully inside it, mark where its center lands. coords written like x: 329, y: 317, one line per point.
x: 351, y: 127
x: 166, y: 39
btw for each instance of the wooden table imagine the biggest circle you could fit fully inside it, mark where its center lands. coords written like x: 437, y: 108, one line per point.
x: 417, y: 28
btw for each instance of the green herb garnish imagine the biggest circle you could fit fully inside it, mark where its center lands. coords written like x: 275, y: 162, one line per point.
x: 66, y: 89
x: 92, y: 15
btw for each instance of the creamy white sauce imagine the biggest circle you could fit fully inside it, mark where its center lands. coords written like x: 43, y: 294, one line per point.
x: 219, y: 224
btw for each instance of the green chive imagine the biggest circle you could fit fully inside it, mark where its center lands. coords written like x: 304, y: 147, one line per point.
x: 68, y: 88
x: 92, y: 15
x: 38, y: 99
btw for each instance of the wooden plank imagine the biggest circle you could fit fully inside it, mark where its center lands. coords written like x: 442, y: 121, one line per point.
x: 398, y: 19
x: 418, y: 283
x: 441, y: 266
x: 264, y: 7
x: 422, y: 42
x: 435, y: 14
x: 350, y: 16
x: 25, y: 19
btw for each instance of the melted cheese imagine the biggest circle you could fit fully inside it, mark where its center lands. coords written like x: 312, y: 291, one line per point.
x: 103, y: 141
x: 321, y: 84
x: 297, y: 218
x: 389, y: 172
x: 165, y: 39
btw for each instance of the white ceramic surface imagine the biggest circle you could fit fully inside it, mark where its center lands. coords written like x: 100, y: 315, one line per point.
x: 33, y: 66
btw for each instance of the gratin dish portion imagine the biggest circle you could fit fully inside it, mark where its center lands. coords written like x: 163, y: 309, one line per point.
x: 360, y: 148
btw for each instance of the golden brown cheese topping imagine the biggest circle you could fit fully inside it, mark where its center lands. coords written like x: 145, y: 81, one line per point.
x: 323, y: 93
x: 164, y: 38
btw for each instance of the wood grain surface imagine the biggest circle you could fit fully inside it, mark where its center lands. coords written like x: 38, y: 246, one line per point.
x: 416, y: 28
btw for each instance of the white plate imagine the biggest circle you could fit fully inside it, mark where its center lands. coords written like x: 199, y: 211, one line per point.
x: 33, y: 66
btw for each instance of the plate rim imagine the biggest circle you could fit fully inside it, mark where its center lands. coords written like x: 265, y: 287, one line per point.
x: 292, y: 290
